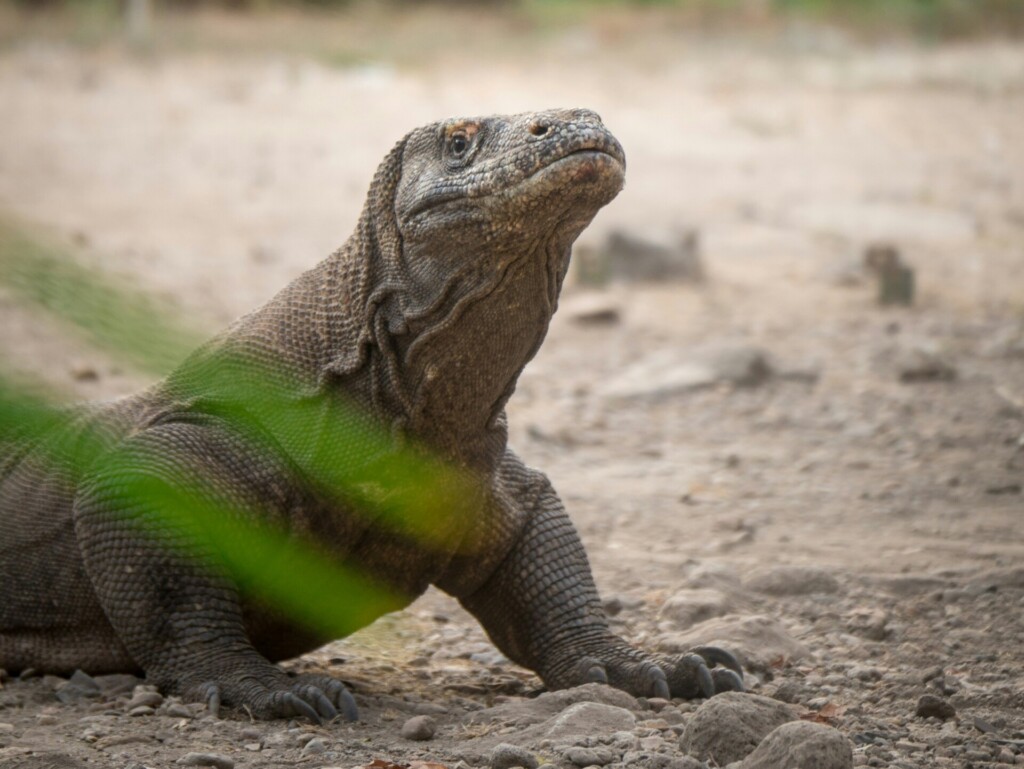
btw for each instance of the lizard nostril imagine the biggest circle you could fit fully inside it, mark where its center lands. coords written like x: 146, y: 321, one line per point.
x: 538, y: 129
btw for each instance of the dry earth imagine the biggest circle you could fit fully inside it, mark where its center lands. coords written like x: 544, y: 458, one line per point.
x: 858, y: 539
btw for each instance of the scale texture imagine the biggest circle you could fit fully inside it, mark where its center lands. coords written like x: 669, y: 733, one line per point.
x: 415, y: 330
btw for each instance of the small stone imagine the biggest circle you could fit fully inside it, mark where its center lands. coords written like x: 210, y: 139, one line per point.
x: 6, y: 728
x: 505, y: 756
x: 84, y: 372
x: 44, y: 720
x: 589, y: 756
x: 314, y: 747
x: 146, y: 697
x: 80, y: 686
x: 253, y: 747
x: 249, y: 733
x: 177, y: 710
x: 868, y: 622
x: 206, y: 759
x: 141, y: 710
x: 930, y: 706
x: 688, y: 607
x: 419, y: 728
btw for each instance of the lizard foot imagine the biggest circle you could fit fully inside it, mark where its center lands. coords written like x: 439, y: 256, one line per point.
x: 316, y: 697
x: 688, y: 676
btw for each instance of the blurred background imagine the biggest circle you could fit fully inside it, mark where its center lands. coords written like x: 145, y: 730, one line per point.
x: 824, y: 199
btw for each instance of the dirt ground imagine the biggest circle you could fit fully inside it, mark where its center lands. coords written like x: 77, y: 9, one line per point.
x: 885, y: 455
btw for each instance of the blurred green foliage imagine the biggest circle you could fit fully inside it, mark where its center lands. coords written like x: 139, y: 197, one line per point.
x: 354, y: 463
x: 930, y: 18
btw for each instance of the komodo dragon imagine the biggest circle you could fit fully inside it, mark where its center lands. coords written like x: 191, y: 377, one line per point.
x: 424, y: 319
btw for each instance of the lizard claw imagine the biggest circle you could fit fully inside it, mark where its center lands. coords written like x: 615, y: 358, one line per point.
x: 727, y: 681
x: 593, y: 671
x: 293, y: 705
x: 312, y: 695
x: 713, y: 655
x: 211, y: 693
x: 657, y: 683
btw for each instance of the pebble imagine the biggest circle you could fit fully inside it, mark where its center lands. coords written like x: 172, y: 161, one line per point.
x: 145, y: 697
x: 80, y: 686
x: 177, y: 710
x: 314, y: 747
x: 590, y: 756
x: 929, y: 706
x: 141, y: 710
x: 505, y: 756
x: 206, y: 759
x: 419, y: 728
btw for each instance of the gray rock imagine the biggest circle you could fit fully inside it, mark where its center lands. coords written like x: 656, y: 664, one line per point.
x: 931, y: 706
x: 206, y: 759
x: 590, y: 756
x: 868, y: 622
x: 314, y: 747
x: 145, y: 698
x: 688, y: 607
x: 589, y: 718
x: 729, y: 726
x: 801, y: 745
x: 526, y: 712
x: 665, y: 374
x: 80, y: 686
x: 419, y: 728
x: 505, y: 756
x: 756, y: 640
x: 791, y: 580
x: 591, y: 309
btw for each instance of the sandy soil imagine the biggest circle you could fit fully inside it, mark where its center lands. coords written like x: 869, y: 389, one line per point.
x: 212, y: 180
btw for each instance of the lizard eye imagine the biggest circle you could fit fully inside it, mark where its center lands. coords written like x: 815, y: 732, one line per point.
x: 459, y: 143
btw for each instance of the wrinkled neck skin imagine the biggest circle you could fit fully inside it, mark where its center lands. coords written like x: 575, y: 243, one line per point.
x: 460, y: 355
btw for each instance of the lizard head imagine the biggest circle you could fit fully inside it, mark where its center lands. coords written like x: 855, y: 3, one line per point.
x: 469, y: 226
x: 504, y: 184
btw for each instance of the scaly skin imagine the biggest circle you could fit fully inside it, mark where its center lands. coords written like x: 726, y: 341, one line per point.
x: 423, y: 320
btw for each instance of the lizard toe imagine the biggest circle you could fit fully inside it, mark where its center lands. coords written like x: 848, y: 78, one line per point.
x: 727, y: 681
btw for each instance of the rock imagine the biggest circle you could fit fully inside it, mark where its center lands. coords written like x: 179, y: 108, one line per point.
x: 178, y: 710
x: 923, y: 363
x: 314, y: 747
x: 206, y: 759
x: 505, y: 756
x: 801, y: 745
x: 590, y: 756
x: 145, y: 698
x: 589, y: 718
x: 791, y: 580
x: 141, y: 710
x: 688, y: 607
x: 758, y: 641
x: 80, y: 686
x: 664, y: 374
x: 654, y: 256
x: 730, y: 725
x: 930, y: 706
x: 115, y: 684
x: 591, y: 309
x: 419, y: 728
x: 526, y: 712
x: 868, y: 622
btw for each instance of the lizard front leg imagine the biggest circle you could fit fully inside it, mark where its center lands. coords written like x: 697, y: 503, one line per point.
x: 178, y: 614
x: 541, y: 608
